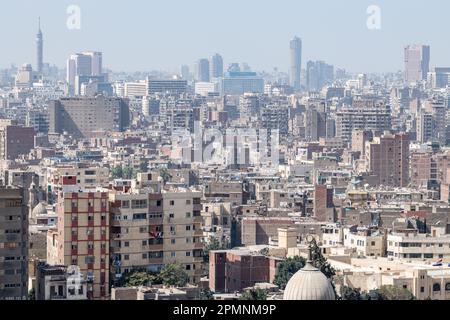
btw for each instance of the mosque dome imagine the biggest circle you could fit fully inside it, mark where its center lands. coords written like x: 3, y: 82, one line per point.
x: 309, y: 283
x: 39, y: 210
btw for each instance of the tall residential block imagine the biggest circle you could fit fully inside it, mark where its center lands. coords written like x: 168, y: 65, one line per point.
x: 13, y: 244
x: 82, y: 117
x: 296, y: 63
x: 82, y: 238
x: 417, y: 63
x: 387, y: 158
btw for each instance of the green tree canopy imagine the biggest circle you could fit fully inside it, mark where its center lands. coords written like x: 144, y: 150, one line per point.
x: 174, y: 275
x: 286, y: 269
x: 254, y: 294
x: 213, y: 244
x: 349, y: 293
x: 389, y: 292
x: 139, y: 278
x: 117, y: 173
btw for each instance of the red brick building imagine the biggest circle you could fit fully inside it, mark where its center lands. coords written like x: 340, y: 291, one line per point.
x: 234, y: 270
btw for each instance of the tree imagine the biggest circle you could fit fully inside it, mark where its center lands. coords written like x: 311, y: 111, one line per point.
x: 165, y: 175
x: 143, y: 166
x: 254, y: 294
x: 389, y: 292
x: 320, y: 262
x: 117, y: 173
x: 128, y: 173
x: 174, y: 275
x: 139, y: 278
x: 213, y: 244
x: 286, y: 269
x: 32, y: 294
x: 206, y: 294
x: 348, y: 293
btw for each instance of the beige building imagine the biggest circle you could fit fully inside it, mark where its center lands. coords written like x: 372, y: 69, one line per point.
x: 387, y: 157
x: 366, y: 243
x: 81, y: 117
x: 13, y: 244
x: 413, y: 246
x: 182, y: 230
x: 424, y: 281
x: 136, y: 231
x: 83, y: 237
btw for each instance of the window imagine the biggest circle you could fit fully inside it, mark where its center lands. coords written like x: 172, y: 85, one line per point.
x: 126, y: 257
x: 188, y: 253
x: 428, y: 256
x: 126, y: 244
x: 422, y: 289
x: 125, y: 204
x: 144, y: 242
x: 188, y: 201
x: 447, y: 286
x: 139, y: 216
x: 171, y: 215
x: 372, y: 243
x: 172, y: 202
x: 143, y: 230
x: 144, y: 256
x: 89, y: 259
x: 188, y: 228
x: 172, y: 241
x: 188, y: 214
x: 188, y: 267
x: 139, y: 204
x: 436, y: 287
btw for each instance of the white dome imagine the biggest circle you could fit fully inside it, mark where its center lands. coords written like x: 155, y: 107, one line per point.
x: 309, y: 283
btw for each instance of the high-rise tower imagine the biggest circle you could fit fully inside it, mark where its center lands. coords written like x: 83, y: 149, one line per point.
x: 417, y: 63
x: 296, y: 63
x: 39, y: 49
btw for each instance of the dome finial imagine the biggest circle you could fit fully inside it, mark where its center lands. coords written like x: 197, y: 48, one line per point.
x: 310, y: 240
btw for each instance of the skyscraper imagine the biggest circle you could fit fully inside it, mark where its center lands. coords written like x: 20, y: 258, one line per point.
x: 296, y: 63
x: 88, y: 63
x: 417, y: 63
x: 96, y: 62
x: 318, y: 74
x: 216, y: 66
x: 39, y: 49
x: 202, y: 70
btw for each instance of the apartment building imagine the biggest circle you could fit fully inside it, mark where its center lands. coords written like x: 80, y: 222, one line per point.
x: 419, y: 247
x: 217, y: 218
x: 15, y: 141
x: 13, y: 244
x: 82, y: 237
x: 365, y: 242
x: 81, y: 117
x: 80, y: 175
x: 182, y: 229
x: 387, y: 158
x: 137, y: 236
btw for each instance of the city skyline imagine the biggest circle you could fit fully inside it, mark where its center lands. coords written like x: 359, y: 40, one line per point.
x: 358, y: 47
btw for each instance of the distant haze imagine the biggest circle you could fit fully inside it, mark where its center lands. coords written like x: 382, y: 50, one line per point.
x: 156, y: 35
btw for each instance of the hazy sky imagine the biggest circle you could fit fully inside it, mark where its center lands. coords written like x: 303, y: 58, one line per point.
x: 147, y: 34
